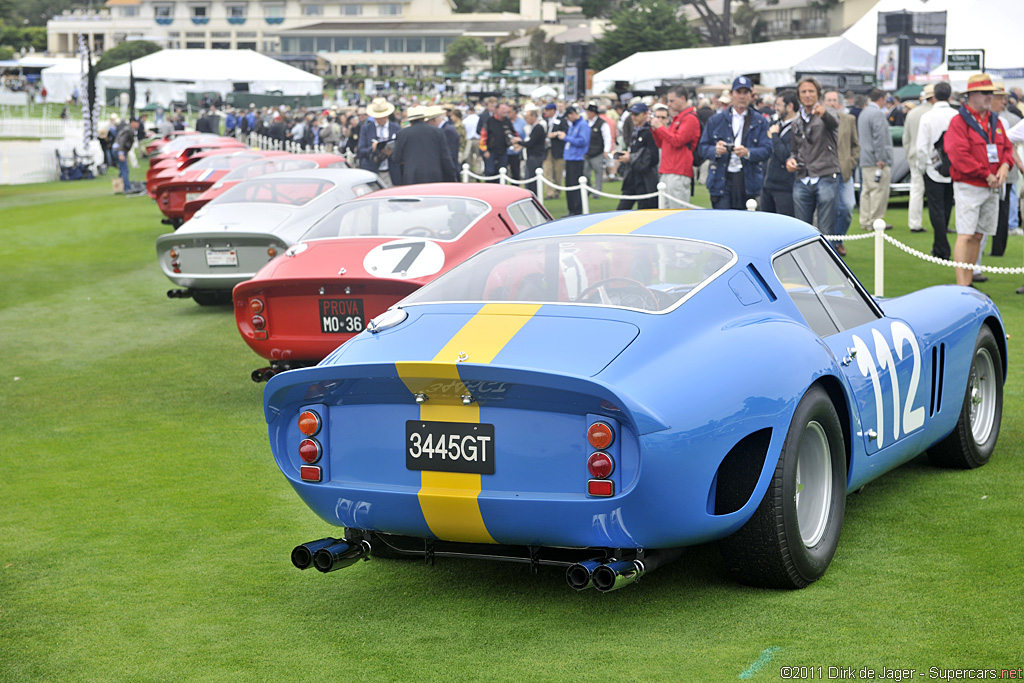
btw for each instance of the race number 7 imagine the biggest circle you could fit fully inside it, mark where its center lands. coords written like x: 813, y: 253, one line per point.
x: 414, y: 249
x: 913, y: 418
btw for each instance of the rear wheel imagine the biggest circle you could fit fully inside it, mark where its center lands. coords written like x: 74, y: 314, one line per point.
x: 973, y: 439
x: 791, y: 537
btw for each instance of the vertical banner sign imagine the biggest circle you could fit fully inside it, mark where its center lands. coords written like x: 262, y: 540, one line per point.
x: 910, y: 45
x: 90, y: 102
x: 571, y: 85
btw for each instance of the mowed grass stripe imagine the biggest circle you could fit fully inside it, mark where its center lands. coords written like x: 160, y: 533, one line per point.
x: 145, y: 530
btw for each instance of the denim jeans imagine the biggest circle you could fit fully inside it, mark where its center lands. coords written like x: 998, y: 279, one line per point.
x: 122, y: 167
x: 823, y: 195
x: 493, y: 162
x: 844, y: 206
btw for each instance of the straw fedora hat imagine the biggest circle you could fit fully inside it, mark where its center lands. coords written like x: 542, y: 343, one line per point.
x: 415, y: 113
x: 380, y: 108
x: 980, y: 83
x: 432, y: 112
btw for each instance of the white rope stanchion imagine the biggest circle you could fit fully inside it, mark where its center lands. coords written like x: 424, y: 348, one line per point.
x: 503, y: 176
x: 879, y: 226
x: 538, y: 177
x: 584, y: 195
x: 465, y: 173
x: 751, y: 204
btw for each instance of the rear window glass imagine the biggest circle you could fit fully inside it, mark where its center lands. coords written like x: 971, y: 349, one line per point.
x: 621, y: 271
x: 526, y: 214
x: 223, y: 161
x: 287, y: 191
x: 439, y: 218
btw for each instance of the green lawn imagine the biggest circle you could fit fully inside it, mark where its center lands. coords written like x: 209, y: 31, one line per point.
x: 145, y: 529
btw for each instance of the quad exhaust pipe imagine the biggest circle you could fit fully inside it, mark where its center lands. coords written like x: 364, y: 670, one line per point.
x: 613, y: 574
x: 329, y: 554
x: 263, y: 374
x: 179, y: 293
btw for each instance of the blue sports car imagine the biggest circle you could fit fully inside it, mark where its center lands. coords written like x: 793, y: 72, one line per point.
x: 602, y: 391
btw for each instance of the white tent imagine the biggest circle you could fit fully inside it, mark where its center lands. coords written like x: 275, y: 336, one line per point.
x: 60, y: 80
x: 992, y: 25
x: 169, y: 74
x: 776, y: 62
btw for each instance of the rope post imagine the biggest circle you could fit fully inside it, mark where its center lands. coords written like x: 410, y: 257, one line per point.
x: 879, y: 226
x: 751, y: 204
x: 584, y: 195
x: 465, y: 173
x: 503, y: 175
x: 662, y: 193
x: 539, y: 184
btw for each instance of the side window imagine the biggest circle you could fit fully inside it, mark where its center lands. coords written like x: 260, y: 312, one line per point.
x: 818, y: 285
x: 526, y: 214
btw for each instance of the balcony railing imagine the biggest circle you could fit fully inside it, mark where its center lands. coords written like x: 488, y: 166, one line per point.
x: 200, y: 21
x: 165, y: 21
x: 237, y: 21
x: 797, y: 28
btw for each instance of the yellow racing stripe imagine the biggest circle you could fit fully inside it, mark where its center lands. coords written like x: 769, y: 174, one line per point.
x: 449, y: 499
x: 627, y: 222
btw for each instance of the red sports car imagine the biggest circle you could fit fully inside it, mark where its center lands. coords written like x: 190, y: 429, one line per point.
x: 171, y: 189
x: 253, y: 168
x: 154, y: 145
x: 365, y: 256
x: 191, y: 145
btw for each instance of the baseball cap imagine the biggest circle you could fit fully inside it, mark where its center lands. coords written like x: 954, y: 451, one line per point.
x: 550, y: 105
x: 571, y: 110
x: 638, y: 108
x: 742, y: 82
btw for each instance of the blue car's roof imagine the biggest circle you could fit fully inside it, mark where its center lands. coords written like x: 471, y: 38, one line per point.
x: 745, y: 232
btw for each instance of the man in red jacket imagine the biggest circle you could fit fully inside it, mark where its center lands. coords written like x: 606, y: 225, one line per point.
x: 677, y: 141
x: 980, y: 157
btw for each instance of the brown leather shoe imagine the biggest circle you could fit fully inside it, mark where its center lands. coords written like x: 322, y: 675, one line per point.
x: 840, y: 249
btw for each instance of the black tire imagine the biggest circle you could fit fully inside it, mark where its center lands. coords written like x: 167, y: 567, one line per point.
x: 211, y: 297
x: 771, y: 549
x: 974, y: 438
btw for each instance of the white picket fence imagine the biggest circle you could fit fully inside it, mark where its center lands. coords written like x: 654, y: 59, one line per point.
x: 29, y: 161
x: 19, y: 127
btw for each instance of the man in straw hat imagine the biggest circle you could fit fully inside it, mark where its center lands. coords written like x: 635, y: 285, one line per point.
x: 980, y: 157
x: 421, y: 152
x: 376, y: 138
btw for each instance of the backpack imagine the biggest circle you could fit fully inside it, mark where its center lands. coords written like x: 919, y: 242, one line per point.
x: 942, y: 167
x: 697, y: 158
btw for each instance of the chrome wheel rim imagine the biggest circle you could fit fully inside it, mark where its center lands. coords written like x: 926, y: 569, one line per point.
x: 981, y: 389
x: 813, y: 484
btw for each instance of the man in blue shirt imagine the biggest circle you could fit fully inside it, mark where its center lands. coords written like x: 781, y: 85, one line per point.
x: 736, y: 140
x: 577, y: 140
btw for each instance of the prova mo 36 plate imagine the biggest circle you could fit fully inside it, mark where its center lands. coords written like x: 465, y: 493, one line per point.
x: 449, y: 447
x: 221, y: 257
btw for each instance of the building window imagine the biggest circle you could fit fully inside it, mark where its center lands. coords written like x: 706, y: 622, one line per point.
x: 431, y: 44
x: 220, y: 46
x: 445, y: 42
x: 273, y: 11
x: 312, y: 10
x: 358, y: 44
x: 220, y: 34
x: 305, y: 45
x: 396, y: 45
x: 163, y: 11
x: 194, y: 34
x: 324, y: 45
x: 290, y: 45
x: 390, y: 9
x: 130, y: 11
x: 237, y: 10
x: 199, y: 11
x: 377, y: 44
x: 414, y: 45
x: 195, y: 46
x: 247, y: 46
x: 245, y: 34
x: 351, y: 10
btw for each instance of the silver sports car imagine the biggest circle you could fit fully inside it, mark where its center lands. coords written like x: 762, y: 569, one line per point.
x: 237, y: 233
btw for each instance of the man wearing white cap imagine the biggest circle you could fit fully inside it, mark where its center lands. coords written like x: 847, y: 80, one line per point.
x: 911, y: 125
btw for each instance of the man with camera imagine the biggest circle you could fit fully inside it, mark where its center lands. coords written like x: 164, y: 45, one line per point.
x: 815, y: 159
x: 377, y: 139
x: 640, y: 162
x: 736, y: 141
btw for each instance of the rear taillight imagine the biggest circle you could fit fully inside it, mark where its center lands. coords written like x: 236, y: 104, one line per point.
x: 271, y: 252
x: 258, y: 322
x: 256, y: 306
x: 601, y: 487
x: 310, y: 450
x: 600, y: 465
x: 309, y: 423
x: 600, y: 435
x: 173, y: 253
x: 310, y: 473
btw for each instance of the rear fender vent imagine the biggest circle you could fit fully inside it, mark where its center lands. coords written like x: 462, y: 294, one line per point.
x: 938, y: 372
x: 738, y: 474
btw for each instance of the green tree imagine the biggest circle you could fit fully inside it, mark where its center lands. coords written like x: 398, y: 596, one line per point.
x: 499, y: 57
x: 544, y: 54
x: 36, y: 12
x: 462, y: 50
x: 125, y: 52
x: 6, y: 52
x: 644, y: 25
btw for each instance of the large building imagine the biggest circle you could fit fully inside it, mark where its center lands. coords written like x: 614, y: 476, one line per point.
x: 351, y: 36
